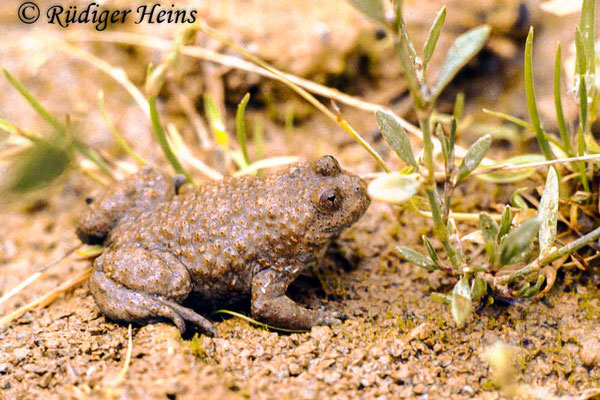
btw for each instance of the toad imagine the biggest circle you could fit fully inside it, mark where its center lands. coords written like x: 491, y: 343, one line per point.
x: 242, y: 237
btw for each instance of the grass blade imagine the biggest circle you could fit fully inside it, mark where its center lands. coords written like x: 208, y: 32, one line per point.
x: 586, y: 26
x: 240, y: 127
x: 562, y: 125
x: 113, y: 130
x: 216, y: 122
x: 161, y: 137
x: 258, y: 323
x: 531, y: 102
x: 59, y: 126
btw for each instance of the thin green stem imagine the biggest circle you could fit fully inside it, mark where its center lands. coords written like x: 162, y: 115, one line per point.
x: 113, y: 130
x: 161, y: 137
x: 553, y: 256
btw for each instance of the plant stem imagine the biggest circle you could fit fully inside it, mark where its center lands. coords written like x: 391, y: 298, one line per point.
x: 553, y: 256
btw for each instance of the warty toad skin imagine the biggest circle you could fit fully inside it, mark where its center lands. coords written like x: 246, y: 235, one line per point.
x: 240, y: 237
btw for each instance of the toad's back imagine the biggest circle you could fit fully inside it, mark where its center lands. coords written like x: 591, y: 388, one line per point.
x: 225, y: 231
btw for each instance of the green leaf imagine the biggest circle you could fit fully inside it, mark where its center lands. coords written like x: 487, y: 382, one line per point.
x: 478, y: 288
x: 240, y: 127
x: 474, y: 155
x: 396, y: 136
x: 514, y: 175
x: 216, y: 122
x: 464, y: 48
x: 394, y: 187
x: 586, y: 26
x: 510, y: 118
x: 531, y: 102
x: 548, y: 212
x: 580, y: 58
x: 161, y: 138
x: 38, y: 166
x: 459, y: 106
x: 489, y: 230
x: 461, y: 305
x: 7, y: 128
x: 59, y: 126
x: 416, y: 258
x: 560, y: 117
x: 433, y: 36
x: 439, y: 226
x: 371, y: 8
x: 528, y: 291
x: 517, y: 200
x: 505, y: 223
x: 518, y: 244
x: 489, y: 227
x: 432, y: 254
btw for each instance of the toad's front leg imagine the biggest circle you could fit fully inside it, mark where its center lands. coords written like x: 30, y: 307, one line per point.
x: 271, y: 305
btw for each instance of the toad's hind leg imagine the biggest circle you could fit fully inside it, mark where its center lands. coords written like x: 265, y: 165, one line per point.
x: 137, y: 285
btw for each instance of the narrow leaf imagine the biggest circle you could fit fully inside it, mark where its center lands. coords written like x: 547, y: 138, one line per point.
x: 433, y: 36
x: 489, y: 227
x: 7, y: 127
x: 371, y: 8
x: 513, y: 176
x: 240, y: 126
x: 510, y: 118
x: 461, y: 302
x: 560, y: 117
x: 59, y: 126
x: 396, y: 136
x: 478, y: 289
x: 531, y: 102
x: 518, y: 244
x: 416, y: 258
x: 548, y: 212
x: 459, y: 106
x: 474, y: 155
x: 216, y: 122
x: 432, y: 254
x: 517, y: 200
x: 439, y: 226
x: 529, y: 291
x: 464, y: 48
x: 394, y: 187
x: 505, y: 223
x: 586, y: 26
x: 489, y: 230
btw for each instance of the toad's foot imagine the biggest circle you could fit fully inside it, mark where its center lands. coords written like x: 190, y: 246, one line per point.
x: 271, y: 305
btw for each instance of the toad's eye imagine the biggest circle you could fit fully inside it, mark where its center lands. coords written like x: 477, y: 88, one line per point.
x: 330, y: 200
